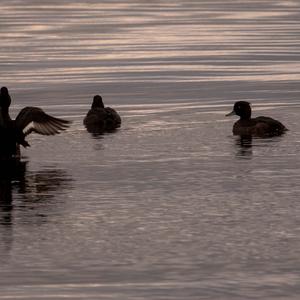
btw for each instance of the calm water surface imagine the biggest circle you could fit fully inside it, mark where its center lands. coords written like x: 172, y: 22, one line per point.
x: 170, y: 206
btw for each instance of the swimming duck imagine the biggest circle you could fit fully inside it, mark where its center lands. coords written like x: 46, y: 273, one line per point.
x: 100, y: 118
x: 29, y: 119
x: 259, y: 126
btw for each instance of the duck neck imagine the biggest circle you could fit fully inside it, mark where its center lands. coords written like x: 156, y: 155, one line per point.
x: 5, y: 114
x: 97, y: 105
x: 245, y: 116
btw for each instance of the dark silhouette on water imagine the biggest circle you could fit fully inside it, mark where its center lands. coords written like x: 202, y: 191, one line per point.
x: 100, y: 119
x: 29, y: 119
x: 259, y: 126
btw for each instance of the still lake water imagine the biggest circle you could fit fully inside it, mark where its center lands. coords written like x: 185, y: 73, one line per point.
x: 171, y: 206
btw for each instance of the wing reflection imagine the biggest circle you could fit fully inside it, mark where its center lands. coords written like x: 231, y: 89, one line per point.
x: 43, y: 184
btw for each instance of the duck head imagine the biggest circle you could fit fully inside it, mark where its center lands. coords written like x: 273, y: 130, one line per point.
x: 5, y: 99
x: 242, y: 109
x: 97, y: 102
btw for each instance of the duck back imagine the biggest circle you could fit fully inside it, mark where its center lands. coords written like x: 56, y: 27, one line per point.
x: 113, y: 119
x: 99, y: 120
x: 259, y: 126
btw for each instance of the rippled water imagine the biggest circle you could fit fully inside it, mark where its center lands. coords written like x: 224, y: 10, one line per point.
x: 171, y: 206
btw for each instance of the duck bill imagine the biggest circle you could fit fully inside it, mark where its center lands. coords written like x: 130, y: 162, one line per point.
x: 231, y: 114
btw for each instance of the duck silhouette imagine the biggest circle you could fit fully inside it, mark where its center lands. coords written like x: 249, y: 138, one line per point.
x: 29, y: 119
x: 259, y: 126
x: 100, y: 119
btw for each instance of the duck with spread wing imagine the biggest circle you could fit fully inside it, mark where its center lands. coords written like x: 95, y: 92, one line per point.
x: 29, y: 119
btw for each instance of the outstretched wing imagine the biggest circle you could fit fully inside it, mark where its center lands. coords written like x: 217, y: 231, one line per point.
x: 34, y: 119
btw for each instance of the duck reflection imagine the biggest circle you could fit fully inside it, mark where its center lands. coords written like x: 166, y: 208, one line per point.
x: 29, y: 187
x: 244, y: 146
x: 11, y: 172
x: 22, y: 198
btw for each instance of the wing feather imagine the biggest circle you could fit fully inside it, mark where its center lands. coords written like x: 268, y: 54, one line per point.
x: 34, y: 119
